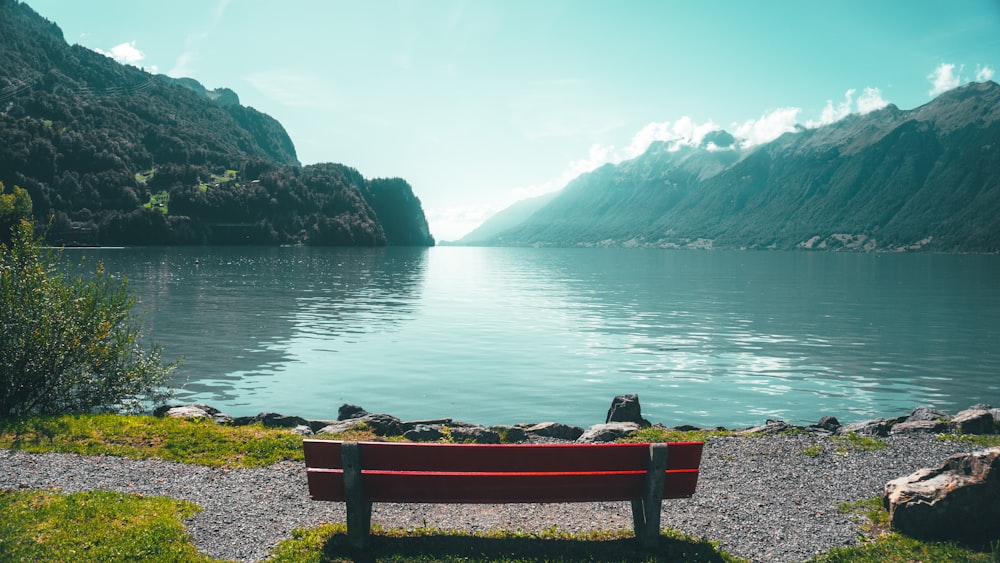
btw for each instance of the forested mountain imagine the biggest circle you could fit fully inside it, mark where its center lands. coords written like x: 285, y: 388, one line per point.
x: 111, y: 154
x: 888, y: 180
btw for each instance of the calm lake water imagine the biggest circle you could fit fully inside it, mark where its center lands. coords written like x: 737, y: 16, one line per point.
x: 506, y: 335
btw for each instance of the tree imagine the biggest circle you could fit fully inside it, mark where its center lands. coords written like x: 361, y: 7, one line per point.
x: 14, y: 207
x: 67, y: 343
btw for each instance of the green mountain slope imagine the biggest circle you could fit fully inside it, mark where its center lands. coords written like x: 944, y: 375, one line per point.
x: 888, y: 180
x: 113, y: 155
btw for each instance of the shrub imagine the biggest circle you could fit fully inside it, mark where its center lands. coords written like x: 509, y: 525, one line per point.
x: 67, y: 344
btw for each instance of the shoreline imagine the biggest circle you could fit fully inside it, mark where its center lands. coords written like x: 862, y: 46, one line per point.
x: 623, y: 418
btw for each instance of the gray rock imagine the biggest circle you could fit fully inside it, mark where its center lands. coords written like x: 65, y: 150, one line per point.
x: 625, y: 408
x: 926, y: 414
x: 347, y: 412
x: 608, y: 432
x: 303, y: 430
x: 974, y: 421
x: 510, y: 434
x: 222, y: 418
x: 380, y: 424
x: 555, y: 430
x: 474, y: 434
x: 875, y: 427
x: 277, y: 420
x: 828, y: 423
x: 187, y: 411
x: 919, y: 426
x: 770, y: 427
x: 958, y: 501
x: 423, y: 433
x: 413, y: 424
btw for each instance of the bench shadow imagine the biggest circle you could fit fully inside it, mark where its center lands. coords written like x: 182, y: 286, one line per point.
x: 446, y: 547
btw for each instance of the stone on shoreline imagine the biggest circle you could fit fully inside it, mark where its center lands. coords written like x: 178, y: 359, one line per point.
x: 974, y: 421
x: 555, y: 430
x: 978, y: 419
x: 878, y: 427
x: 960, y: 500
x: 607, y: 432
x: 626, y: 408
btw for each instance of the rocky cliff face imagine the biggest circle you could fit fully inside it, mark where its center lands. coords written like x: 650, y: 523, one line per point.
x: 888, y: 180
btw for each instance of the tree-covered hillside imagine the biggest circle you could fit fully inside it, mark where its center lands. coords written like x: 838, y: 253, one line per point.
x: 111, y: 154
x: 922, y: 179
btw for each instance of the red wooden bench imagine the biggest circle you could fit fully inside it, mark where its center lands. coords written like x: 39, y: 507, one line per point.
x: 360, y: 473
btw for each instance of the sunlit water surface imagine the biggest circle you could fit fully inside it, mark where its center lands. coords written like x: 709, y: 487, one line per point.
x: 502, y: 335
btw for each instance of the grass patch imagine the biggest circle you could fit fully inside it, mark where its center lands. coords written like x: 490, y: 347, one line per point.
x: 144, y: 177
x: 814, y: 450
x: 329, y: 544
x: 95, y: 526
x: 852, y: 442
x: 977, y: 440
x: 878, y: 544
x: 655, y: 434
x: 140, y: 437
x: 159, y: 201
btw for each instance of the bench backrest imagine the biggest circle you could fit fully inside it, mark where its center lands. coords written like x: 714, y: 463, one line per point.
x: 488, y: 473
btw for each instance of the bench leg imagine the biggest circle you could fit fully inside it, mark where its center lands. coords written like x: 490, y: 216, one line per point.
x: 359, y: 509
x: 646, y: 511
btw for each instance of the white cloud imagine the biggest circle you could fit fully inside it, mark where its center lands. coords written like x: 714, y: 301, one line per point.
x: 984, y: 73
x: 125, y: 53
x: 833, y: 114
x: 769, y: 127
x: 870, y: 101
x: 944, y: 78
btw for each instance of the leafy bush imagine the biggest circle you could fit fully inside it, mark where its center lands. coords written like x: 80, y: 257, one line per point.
x: 67, y: 343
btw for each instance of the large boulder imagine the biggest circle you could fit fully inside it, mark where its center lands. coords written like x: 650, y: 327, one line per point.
x: 958, y: 501
x: 625, y: 408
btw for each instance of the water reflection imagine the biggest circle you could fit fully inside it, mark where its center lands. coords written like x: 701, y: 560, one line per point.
x: 499, y: 335
x: 232, y: 312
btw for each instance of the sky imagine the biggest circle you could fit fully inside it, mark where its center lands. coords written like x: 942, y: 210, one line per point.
x: 481, y: 103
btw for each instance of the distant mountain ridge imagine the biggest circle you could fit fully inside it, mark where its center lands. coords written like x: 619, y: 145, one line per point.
x: 921, y: 179
x: 113, y: 155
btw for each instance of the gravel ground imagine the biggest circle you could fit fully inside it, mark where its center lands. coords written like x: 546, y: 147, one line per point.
x: 759, y: 498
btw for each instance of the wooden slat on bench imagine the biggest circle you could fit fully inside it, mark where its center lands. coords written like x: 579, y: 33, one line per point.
x: 498, y: 487
x: 390, y: 456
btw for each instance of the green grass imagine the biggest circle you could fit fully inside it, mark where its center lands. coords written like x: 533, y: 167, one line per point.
x: 144, y: 177
x: 159, y: 200
x: 138, y: 437
x: 419, y: 545
x: 97, y: 526
x: 878, y: 544
x: 976, y: 440
x: 659, y: 434
x: 852, y: 442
